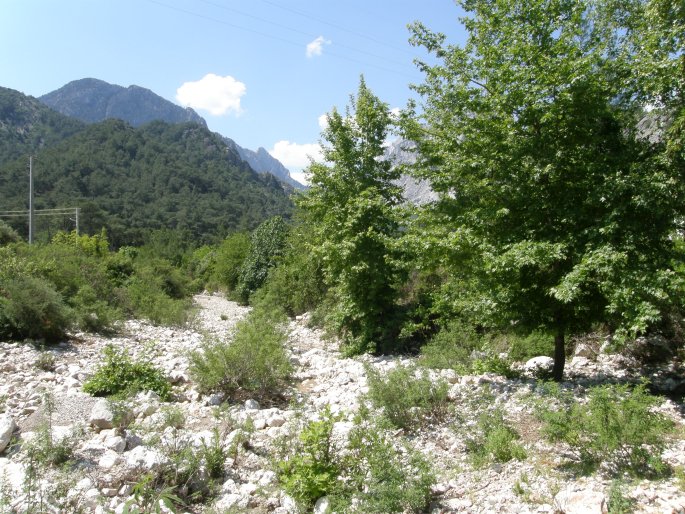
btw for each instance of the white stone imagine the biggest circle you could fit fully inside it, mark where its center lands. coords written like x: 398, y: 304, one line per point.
x: 116, y: 443
x: 570, y: 501
x: 143, y: 458
x: 540, y: 364
x: 275, y: 421
x: 108, y: 460
x: 7, y: 428
x: 322, y: 506
x: 101, y: 416
x: 251, y: 404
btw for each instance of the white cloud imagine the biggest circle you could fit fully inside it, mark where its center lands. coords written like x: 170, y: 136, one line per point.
x: 315, y: 48
x: 296, y: 156
x: 301, y: 177
x: 323, y: 121
x: 212, y: 93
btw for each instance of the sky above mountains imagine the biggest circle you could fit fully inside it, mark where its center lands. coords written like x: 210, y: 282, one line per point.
x: 262, y: 72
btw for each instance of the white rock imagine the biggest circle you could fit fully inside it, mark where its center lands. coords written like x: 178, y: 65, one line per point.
x: 108, y: 460
x: 116, y: 443
x: 251, y: 404
x: 322, y: 506
x: 101, y: 416
x: 92, y: 498
x: 570, y: 501
x: 540, y: 364
x: 7, y: 428
x: 275, y: 421
x: 144, y: 458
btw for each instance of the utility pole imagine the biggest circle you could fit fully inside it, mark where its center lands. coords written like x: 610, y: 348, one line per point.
x: 77, y: 213
x: 30, y: 199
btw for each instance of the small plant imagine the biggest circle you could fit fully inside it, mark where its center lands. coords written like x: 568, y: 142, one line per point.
x: 45, y: 361
x: 493, y: 364
x: 172, y: 416
x: 618, y: 502
x: 311, y: 471
x: 495, y: 440
x: 451, y: 347
x: 214, y: 456
x: 617, y: 426
x: 255, y: 362
x: 364, y: 473
x: 147, y: 499
x: 121, y: 376
x: 409, y: 398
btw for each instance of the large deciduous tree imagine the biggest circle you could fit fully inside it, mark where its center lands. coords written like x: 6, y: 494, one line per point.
x: 351, y: 203
x: 554, y: 206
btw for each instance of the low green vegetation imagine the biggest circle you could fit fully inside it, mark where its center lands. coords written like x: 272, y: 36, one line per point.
x: 120, y: 376
x: 617, y: 429
x: 494, y: 440
x: 254, y: 362
x: 409, y: 398
x: 362, y: 472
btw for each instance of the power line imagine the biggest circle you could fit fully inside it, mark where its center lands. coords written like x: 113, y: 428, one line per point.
x: 283, y: 40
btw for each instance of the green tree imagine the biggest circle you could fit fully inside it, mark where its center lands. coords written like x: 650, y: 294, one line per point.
x: 351, y: 203
x: 553, y: 208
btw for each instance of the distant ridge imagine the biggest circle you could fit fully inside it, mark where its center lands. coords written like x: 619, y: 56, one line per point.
x: 93, y: 100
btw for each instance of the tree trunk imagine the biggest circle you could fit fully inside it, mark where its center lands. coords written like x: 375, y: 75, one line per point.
x: 559, y: 353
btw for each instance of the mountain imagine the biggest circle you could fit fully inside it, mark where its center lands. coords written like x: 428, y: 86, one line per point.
x: 131, y: 180
x: 27, y: 126
x: 262, y: 162
x: 92, y: 100
x: 416, y: 191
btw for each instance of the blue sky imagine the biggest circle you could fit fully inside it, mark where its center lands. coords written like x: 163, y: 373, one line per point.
x: 261, y: 72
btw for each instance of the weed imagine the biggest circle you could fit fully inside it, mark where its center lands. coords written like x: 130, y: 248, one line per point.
x: 496, y: 440
x: 618, y: 426
x: 121, y: 376
x: 618, y: 502
x: 45, y: 360
x: 409, y: 398
x: 254, y: 362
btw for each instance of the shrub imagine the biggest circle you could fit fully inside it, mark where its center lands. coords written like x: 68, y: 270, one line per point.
x: 617, y: 426
x: 495, y: 440
x: 119, y: 375
x: 364, y: 473
x: 451, y: 347
x: 31, y: 308
x: 522, y: 348
x: 145, y: 298
x: 493, y: 364
x: 8, y: 234
x: 254, y: 362
x: 409, y: 398
x: 266, y: 245
x: 382, y: 478
x: 228, y: 259
x: 312, y: 469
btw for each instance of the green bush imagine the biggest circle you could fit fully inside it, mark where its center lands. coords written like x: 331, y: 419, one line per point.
x: 254, y: 362
x: 408, y: 397
x: 534, y: 344
x: 451, y: 347
x: 365, y: 473
x: 493, y: 364
x: 617, y: 427
x: 119, y: 375
x: 228, y: 259
x: 145, y: 298
x: 495, y: 440
x: 8, y: 234
x: 266, y: 246
x: 31, y: 308
x: 312, y: 469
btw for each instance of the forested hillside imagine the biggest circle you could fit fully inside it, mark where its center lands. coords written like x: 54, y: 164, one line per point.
x: 159, y: 176
x: 26, y: 125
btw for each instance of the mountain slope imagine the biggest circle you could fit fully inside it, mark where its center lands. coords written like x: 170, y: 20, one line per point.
x: 92, y: 100
x: 131, y: 180
x: 262, y: 162
x: 26, y: 125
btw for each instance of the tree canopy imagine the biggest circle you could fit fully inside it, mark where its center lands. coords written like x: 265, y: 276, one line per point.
x: 554, y: 210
